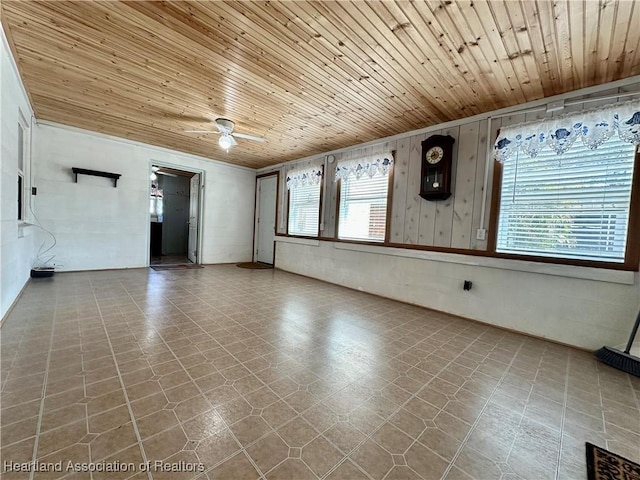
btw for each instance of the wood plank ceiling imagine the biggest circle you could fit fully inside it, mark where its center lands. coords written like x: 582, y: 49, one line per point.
x: 308, y: 76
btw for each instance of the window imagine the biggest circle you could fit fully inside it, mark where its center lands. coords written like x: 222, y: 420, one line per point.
x: 304, y: 209
x: 304, y: 185
x: 363, y: 208
x: 364, y: 188
x: 574, y: 205
x: 21, y: 172
x: 156, y: 207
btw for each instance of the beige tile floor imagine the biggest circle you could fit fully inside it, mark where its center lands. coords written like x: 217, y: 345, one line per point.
x: 264, y: 374
x: 169, y: 260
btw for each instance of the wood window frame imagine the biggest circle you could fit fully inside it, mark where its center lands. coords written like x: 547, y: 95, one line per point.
x: 387, y: 225
x: 337, y: 216
x: 320, y: 219
x: 632, y: 250
x: 387, y: 222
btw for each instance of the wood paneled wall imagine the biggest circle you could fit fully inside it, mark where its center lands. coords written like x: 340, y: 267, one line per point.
x: 448, y: 223
x: 445, y: 223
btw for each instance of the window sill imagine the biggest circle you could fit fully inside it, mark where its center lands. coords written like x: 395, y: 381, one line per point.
x: 361, y: 241
x: 313, y: 242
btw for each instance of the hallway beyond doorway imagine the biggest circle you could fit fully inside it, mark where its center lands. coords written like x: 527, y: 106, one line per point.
x: 174, y: 212
x: 169, y: 260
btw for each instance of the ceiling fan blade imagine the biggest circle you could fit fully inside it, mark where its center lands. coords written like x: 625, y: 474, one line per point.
x: 165, y: 173
x: 233, y: 141
x: 248, y: 137
x: 200, y: 131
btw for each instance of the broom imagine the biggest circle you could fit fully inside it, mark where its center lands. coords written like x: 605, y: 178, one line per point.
x: 622, y: 360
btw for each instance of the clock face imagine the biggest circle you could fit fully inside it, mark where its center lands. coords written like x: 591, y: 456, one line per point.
x: 434, y: 155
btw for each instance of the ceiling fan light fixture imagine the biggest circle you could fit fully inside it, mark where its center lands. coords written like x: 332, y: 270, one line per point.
x: 225, y: 141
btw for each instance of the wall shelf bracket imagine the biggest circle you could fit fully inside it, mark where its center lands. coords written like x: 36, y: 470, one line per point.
x: 96, y: 173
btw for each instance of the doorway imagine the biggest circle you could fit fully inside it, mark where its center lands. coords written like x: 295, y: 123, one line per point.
x: 174, y: 216
x: 265, y: 221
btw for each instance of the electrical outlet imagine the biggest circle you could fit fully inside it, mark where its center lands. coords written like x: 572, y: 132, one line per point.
x: 481, y: 234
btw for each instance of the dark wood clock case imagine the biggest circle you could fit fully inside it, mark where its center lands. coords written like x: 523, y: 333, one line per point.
x: 435, y: 179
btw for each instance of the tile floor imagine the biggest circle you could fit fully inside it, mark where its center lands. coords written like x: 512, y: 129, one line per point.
x: 169, y: 260
x: 264, y: 374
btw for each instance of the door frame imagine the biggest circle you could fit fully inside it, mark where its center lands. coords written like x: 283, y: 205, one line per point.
x: 197, y: 219
x: 255, y: 214
x: 199, y: 231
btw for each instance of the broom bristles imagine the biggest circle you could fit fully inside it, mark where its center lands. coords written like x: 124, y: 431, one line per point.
x: 620, y: 360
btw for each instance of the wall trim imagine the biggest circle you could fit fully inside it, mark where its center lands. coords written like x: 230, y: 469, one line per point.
x: 514, y: 110
x: 14, y: 303
x: 89, y: 270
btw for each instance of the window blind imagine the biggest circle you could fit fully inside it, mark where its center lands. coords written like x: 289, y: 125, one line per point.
x: 363, y: 208
x: 304, y: 210
x: 574, y: 205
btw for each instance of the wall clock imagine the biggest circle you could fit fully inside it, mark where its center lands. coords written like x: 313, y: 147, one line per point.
x: 437, y: 157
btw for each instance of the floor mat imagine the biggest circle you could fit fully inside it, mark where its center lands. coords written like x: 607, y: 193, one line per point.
x: 605, y: 465
x: 254, y: 265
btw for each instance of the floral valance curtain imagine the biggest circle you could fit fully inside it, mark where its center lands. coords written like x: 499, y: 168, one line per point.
x: 298, y: 177
x: 591, y: 127
x: 371, y: 166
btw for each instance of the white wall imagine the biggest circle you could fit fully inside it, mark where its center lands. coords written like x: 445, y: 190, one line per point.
x: 17, y: 243
x: 575, y: 311
x: 98, y: 226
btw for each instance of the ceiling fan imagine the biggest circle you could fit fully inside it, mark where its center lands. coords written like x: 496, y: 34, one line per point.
x: 227, y: 135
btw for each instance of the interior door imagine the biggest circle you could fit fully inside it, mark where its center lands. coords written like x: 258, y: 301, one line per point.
x: 265, y: 219
x: 194, y: 200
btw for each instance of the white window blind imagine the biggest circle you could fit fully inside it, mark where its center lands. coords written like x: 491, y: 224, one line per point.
x: 363, y: 208
x: 156, y: 206
x: 304, y: 209
x: 574, y: 205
